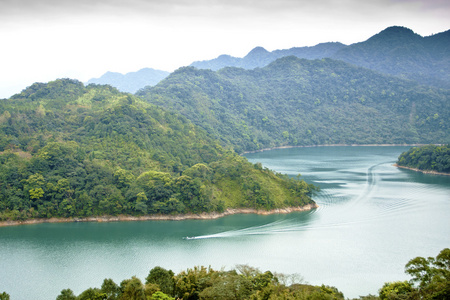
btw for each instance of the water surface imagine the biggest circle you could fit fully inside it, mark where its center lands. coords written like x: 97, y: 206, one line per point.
x: 372, y: 219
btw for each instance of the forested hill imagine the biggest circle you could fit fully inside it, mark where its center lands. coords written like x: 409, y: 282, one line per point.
x: 67, y: 150
x: 303, y: 102
x: 427, y: 158
x: 395, y: 51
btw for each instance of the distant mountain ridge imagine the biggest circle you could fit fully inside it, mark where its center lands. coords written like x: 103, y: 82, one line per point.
x: 395, y: 51
x: 400, y: 52
x: 133, y: 81
x: 260, y: 57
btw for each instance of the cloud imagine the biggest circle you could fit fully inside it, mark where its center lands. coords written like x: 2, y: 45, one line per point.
x: 22, y: 12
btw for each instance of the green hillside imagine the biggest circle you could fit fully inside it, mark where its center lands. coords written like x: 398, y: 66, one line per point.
x: 68, y: 150
x: 295, y: 101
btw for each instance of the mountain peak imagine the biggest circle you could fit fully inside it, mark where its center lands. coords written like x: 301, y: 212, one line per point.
x: 257, y: 51
x: 396, y: 34
x: 397, y: 30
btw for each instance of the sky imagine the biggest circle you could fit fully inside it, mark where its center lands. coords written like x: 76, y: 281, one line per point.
x: 42, y: 40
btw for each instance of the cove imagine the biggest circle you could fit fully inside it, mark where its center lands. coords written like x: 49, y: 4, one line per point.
x: 372, y: 218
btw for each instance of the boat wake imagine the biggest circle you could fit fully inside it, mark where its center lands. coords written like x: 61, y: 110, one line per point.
x: 334, y: 215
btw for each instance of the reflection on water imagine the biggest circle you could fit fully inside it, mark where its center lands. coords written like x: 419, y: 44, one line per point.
x: 372, y: 219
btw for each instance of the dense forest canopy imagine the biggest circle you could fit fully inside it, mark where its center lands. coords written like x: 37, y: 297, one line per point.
x: 427, y: 158
x: 67, y: 150
x: 295, y: 101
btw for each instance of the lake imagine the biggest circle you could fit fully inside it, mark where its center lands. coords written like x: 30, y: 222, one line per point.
x: 373, y: 218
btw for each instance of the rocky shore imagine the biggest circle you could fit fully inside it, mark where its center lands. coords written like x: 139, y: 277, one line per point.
x: 422, y: 171
x: 334, y: 145
x: 159, y: 217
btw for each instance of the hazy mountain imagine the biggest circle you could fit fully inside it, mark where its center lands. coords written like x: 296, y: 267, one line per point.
x: 133, y: 81
x: 296, y: 101
x: 395, y: 51
x: 401, y: 52
x: 260, y: 57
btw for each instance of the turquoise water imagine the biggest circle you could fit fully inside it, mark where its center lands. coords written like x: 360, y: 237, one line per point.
x: 372, y: 219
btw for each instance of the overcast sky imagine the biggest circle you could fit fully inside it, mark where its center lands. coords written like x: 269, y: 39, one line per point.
x: 42, y: 40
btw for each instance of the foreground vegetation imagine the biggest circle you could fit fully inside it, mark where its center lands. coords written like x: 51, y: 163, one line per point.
x: 427, y: 158
x: 67, y: 150
x: 430, y: 280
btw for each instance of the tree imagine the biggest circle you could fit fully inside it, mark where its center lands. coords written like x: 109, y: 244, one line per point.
x: 160, y: 296
x: 92, y: 294
x: 228, y: 285
x: 132, y: 289
x: 432, y: 275
x: 4, y: 296
x: 33, y: 185
x: 110, y: 289
x: 396, y: 290
x: 164, y: 278
x: 66, y: 294
x: 190, y: 283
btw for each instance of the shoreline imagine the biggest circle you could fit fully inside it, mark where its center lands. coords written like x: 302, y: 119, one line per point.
x: 422, y: 171
x: 159, y: 217
x: 337, y: 145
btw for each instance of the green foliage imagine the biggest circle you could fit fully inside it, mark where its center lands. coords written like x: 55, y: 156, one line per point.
x: 396, y: 290
x: 160, y: 296
x: 110, y: 289
x: 72, y: 151
x: 163, y: 278
x: 244, y: 282
x: 368, y: 297
x: 432, y: 275
x: 92, y: 294
x: 429, y: 158
x: 302, y: 102
x: 132, y: 289
x: 430, y: 279
x: 4, y: 296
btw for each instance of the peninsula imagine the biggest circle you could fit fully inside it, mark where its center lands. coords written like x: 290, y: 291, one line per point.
x: 430, y: 159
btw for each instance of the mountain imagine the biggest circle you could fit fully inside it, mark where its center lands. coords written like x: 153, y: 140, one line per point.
x: 401, y: 52
x: 260, y: 57
x: 133, y: 81
x: 67, y: 150
x: 296, y: 101
x: 394, y: 51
